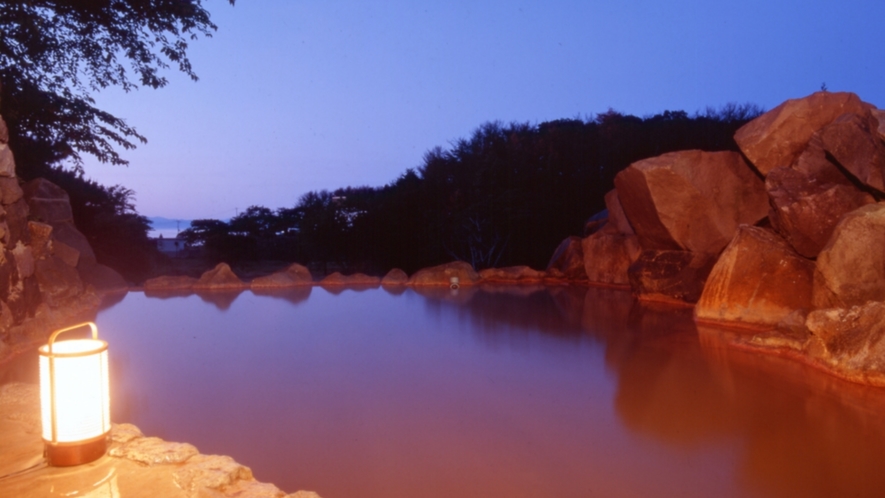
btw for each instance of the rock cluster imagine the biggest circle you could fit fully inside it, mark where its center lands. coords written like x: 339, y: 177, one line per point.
x: 179, y: 466
x: 789, y: 234
x: 48, y: 273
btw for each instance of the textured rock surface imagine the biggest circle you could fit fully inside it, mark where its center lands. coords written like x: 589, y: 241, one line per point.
x: 690, y: 200
x: 512, y: 274
x: 670, y: 275
x: 137, y: 466
x: 7, y: 162
x: 758, y: 279
x: 355, y: 279
x: 219, y: 278
x: 292, y: 275
x: 779, y: 136
x: 170, y: 283
x: 607, y: 256
x: 442, y: 274
x: 210, y: 471
x: 805, y: 211
x: 850, y: 340
x: 153, y: 451
x: 568, y: 259
x: 850, y: 270
x: 395, y: 277
x: 854, y: 142
x: 102, y: 278
x: 617, y: 219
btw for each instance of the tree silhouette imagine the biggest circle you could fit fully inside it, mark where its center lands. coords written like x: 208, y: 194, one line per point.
x: 55, y: 54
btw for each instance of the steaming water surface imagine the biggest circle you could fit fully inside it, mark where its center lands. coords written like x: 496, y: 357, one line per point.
x: 497, y: 392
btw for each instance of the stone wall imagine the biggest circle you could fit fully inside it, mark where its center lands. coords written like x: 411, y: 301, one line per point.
x: 49, y: 277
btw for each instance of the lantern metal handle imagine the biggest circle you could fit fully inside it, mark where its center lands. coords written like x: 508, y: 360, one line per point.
x: 72, y: 327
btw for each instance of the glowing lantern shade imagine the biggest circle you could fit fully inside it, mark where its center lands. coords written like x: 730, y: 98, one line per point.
x: 74, y: 400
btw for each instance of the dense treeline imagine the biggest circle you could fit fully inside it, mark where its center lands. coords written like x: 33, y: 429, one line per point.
x: 505, y: 196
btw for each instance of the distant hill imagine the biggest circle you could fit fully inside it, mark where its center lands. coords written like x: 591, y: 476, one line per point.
x: 166, y: 227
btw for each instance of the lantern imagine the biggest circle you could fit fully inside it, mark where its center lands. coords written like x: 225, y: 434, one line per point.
x: 74, y: 398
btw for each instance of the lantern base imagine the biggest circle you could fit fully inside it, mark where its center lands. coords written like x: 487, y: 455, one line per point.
x: 68, y: 454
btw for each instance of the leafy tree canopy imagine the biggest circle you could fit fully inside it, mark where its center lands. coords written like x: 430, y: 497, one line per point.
x: 55, y: 53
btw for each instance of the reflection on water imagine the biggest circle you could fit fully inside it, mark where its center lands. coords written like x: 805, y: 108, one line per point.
x: 486, y: 391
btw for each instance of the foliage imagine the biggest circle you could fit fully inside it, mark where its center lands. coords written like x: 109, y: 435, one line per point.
x: 506, y: 195
x: 54, y: 55
x: 107, y: 217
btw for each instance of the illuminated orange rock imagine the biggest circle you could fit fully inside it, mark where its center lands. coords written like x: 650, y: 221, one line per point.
x: 167, y: 283
x: 7, y: 162
x: 690, y: 200
x: 617, y: 219
x: 568, y: 260
x: 607, y: 256
x: 219, y: 278
x: 805, y: 211
x: 676, y: 276
x: 10, y: 191
x: 512, y: 274
x: 290, y: 276
x: 758, y: 279
x: 779, y: 136
x: 850, y: 270
x: 851, y: 340
x: 355, y: 279
x: 879, y: 116
x: 395, y: 277
x: 442, y: 274
x: 854, y: 142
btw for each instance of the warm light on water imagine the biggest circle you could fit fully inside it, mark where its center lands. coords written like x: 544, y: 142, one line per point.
x: 560, y: 392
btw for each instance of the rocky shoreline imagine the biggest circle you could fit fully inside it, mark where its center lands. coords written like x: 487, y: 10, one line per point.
x: 140, y: 465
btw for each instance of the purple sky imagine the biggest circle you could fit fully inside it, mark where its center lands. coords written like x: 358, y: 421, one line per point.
x: 305, y: 95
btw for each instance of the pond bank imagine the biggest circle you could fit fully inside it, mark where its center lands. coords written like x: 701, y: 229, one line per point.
x: 135, y: 466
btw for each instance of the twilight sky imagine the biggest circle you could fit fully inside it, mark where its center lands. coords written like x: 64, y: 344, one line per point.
x: 299, y: 95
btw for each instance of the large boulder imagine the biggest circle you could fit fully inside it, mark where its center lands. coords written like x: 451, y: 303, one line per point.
x: 102, y: 278
x: 670, y: 276
x: 568, y: 258
x: 48, y: 202
x: 850, y: 340
x: 690, y: 200
x: 850, y: 270
x: 442, y: 275
x: 607, y: 256
x: 758, y: 279
x: 617, y: 219
x: 290, y: 276
x: 805, y: 211
x: 395, y: 277
x: 219, y: 278
x: 779, y: 136
x: 854, y: 142
x: 10, y: 190
x: 58, y: 282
